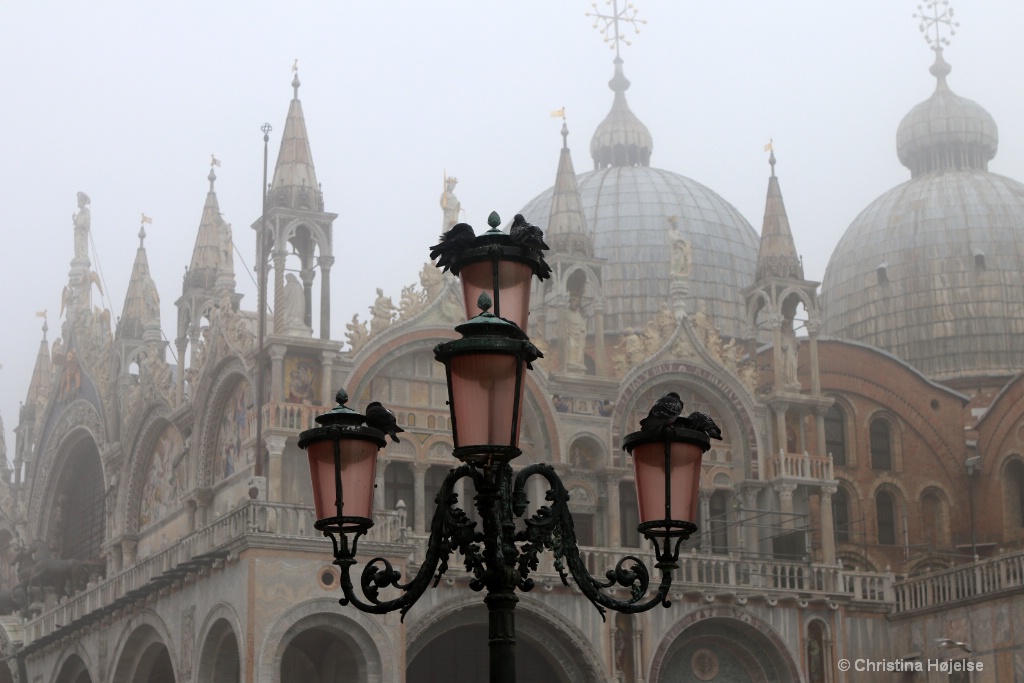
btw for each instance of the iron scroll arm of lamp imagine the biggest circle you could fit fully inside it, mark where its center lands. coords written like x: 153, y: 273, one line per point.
x: 485, y: 372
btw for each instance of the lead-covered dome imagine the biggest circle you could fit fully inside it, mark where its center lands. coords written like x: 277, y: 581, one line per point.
x: 636, y: 213
x: 933, y: 270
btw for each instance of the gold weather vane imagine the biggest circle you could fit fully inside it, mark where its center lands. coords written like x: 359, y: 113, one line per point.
x: 295, y: 65
x: 146, y: 219
x: 214, y: 161
x: 611, y: 23
x: 934, y: 15
x: 555, y: 113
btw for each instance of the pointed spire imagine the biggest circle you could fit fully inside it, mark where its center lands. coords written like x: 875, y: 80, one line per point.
x: 777, y: 256
x: 39, y: 387
x: 141, y: 301
x: 567, y: 226
x: 621, y: 139
x: 294, y: 185
x: 212, y: 255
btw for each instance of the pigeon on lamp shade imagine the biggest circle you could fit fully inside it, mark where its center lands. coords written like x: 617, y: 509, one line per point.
x: 527, y: 235
x: 703, y: 423
x: 379, y: 417
x: 664, y: 412
x: 451, y: 243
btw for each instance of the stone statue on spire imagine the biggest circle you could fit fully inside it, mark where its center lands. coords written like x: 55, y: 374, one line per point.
x: 82, y: 222
x: 450, y: 204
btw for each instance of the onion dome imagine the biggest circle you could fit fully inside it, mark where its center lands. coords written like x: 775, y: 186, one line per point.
x: 635, y: 213
x: 946, y: 131
x: 621, y: 139
x: 933, y: 270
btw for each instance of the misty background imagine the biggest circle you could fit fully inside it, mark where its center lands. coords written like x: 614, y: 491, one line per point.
x: 126, y: 101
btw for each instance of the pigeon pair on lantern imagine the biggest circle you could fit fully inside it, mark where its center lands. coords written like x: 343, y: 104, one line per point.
x: 665, y: 413
x: 379, y: 417
x: 532, y: 237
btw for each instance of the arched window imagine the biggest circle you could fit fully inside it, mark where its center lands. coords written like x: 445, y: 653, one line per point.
x: 932, y: 519
x: 629, y: 515
x: 841, y: 515
x: 881, y: 445
x: 1013, y: 484
x: 885, y: 512
x: 835, y: 435
x: 398, y: 486
x: 718, y: 511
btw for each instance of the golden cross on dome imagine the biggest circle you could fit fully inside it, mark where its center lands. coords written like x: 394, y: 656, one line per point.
x: 935, y: 14
x: 610, y: 29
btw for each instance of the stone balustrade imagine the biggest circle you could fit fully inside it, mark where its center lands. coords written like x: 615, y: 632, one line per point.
x: 966, y: 582
x: 784, y: 465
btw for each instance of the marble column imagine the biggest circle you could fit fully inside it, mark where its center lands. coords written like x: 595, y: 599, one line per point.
x: 275, y: 449
x: 828, y: 532
x: 419, y: 495
x: 277, y: 352
x: 613, y: 527
x: 279, y: 263
x: 785, y: 491
x: 325, y: 296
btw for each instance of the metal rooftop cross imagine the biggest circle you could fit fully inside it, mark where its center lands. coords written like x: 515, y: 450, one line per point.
x: 611, y: 23
x: 934, y: 15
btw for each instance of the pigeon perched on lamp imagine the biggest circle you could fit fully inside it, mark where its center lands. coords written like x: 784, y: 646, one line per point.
x: 664, y: 412
x: 379, y: 417
x: 451, y: 243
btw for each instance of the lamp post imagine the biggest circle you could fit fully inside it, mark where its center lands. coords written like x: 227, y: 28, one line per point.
x: 485, y: 371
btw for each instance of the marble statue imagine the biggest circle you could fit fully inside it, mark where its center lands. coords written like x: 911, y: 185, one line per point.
x: 450, y: 204
x: 681, y: 252
x: 82, y: 222
x: 576, y: 333
x: 294, y: 311
x: 383, y: 312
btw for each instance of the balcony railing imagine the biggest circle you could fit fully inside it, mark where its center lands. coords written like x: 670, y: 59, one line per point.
x: 969, y: 581
x: 784, y: 465
x: 200, y: 549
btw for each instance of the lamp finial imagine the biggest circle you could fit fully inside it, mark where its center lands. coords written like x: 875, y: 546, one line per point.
x: 341, y: 397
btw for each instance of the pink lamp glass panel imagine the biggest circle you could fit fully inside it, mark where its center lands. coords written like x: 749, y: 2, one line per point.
x: 514, y: 280
x: 649, y: 468
x: 358, y: 469
x: 483, y: 392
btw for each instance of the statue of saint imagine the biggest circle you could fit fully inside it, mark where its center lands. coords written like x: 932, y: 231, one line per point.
x: 576, y: 333
x: 357, y: 333
x: 82, y: 221
x: 294, y: 303
x: 431, y: 280
x: 383, y: 312
x: 681, y: 252
x: 450, y: 204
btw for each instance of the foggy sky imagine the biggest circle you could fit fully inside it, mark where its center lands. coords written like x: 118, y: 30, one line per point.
x: 127, y: 100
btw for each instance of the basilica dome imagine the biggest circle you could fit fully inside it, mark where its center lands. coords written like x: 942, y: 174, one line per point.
x: 629, y: 209
x: 933, y: 270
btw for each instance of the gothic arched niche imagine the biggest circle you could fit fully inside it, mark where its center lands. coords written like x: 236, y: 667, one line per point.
x: 165, y: 478
x: 321, y: 654
x: 76, y: 525
x: 723, y: 648
x: 73, y: 670
x: 144, y: 659
x: 232, y: 431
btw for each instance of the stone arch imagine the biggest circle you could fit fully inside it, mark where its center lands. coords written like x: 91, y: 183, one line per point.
x: 136, y: 470
x: 75, y: 519
x: 895, y: 433
x: 934, y: 506
x: 556, y: 638
x: 847, y: 413
x: 144, y: 652
x: 587, y: 452
x: 221, y: 651
x: 319, y: 237
x: 73, y: 667
x: 1012, y: 476
x: 818, y: 654
x: 227, y: 378
x: 756, y: 652
x: 361, y: 633
x: 734, y: 415
x: 758, y: 301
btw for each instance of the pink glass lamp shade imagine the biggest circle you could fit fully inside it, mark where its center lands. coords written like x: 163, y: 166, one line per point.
x: 683, y: 476
x: 486, y: 377
x: 509, y: 287
x: 342, y: 454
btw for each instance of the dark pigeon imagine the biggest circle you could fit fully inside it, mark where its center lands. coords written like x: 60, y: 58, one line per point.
x: 379, y: 417
x: 664, y: 412
x: 703, y: 423
x: 526, y: 234
x: 451, y: 243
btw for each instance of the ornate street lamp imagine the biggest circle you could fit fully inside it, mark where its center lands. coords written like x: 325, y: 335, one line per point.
x: 486, y: 372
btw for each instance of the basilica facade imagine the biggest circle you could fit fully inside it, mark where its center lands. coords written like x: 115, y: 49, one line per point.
x: 866, y: 500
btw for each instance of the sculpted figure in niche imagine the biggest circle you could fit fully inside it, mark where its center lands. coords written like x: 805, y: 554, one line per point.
x: 294, y: 302
x: 681, y: 252
x: 82, y: 220
x: 576, y: 333
x: 450, y: 204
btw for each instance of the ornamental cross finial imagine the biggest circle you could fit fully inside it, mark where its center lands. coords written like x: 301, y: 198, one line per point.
x: 610, y: 29
x: 935, y: 14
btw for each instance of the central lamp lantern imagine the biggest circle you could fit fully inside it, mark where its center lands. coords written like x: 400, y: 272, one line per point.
x: 486, y: 375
